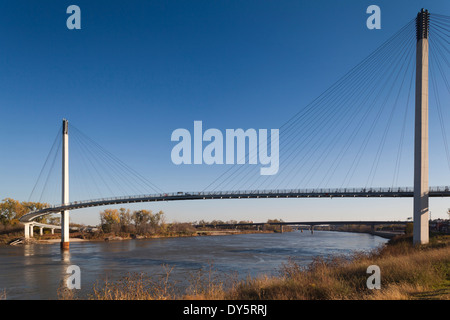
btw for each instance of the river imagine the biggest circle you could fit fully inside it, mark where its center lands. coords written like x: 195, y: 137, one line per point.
x: 36, y: 271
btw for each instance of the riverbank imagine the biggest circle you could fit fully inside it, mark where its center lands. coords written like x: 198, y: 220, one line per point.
x: 89, y: 237
x: 407, y: 272
x: 386, y: 233
x: 382, y: 234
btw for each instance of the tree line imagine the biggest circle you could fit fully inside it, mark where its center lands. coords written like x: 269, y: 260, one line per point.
x: 139, y: 221
x: 11, y: 210
x: 243, y: 224
x: 113, y: 220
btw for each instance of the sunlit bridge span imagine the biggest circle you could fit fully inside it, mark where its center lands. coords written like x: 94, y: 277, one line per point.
x: 255, y: 194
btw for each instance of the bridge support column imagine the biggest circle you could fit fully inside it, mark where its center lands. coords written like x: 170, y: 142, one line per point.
x: 27, y: 230
x: 53, y: 231
x: 421, y: 189
x: 312, y: 229
x: 41, y: 231
x: 281, y: 228
x: 31, y: 230
x: 65, y: 187
x: 65, y: 230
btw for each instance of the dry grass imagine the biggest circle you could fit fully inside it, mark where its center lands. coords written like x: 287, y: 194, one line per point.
x: 204, y: 284
x: 137, y: 286
x: 407, y: 272
x: 208, y: 284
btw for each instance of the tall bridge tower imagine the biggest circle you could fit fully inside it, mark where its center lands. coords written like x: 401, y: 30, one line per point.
x: 65, y: 186
x: 421, y: 188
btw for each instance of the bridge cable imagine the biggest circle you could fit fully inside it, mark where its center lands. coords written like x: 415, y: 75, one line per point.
x: 351, y: 171
x: 371, y: 91
x: 336, y: 120
x: 50, y: 172
x: 300, y: 115
x: 402, y: 135
x: 94, y: 157
x: 85, y: 165
x: 334, y: 117
x: 436, y: 64
x: 120, y: 164
x: 57, y: 137
x: 335, y: 87
x: 126, y: 174
x: 387, y: 128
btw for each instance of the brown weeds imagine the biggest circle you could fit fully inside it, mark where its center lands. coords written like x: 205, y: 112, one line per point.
x: 407, y: 272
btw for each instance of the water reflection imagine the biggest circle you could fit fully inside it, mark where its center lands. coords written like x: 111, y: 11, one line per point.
x: 29, y: 250
x: 65, y: 256
x: 36, y: 271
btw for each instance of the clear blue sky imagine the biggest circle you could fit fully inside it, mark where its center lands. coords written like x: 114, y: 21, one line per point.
x: 137, y: 70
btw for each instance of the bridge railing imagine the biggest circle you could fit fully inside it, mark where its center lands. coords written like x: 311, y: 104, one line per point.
x: 325, y: 191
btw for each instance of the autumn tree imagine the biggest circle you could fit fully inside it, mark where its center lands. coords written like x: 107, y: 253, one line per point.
x: 110, y: 220
x: 141, y: 218
x: 124, y: 219
x: 157, y: 222
x: 270, y: 226
x: 56, y: 220
x: 141, y: 221
x: 11, y: 210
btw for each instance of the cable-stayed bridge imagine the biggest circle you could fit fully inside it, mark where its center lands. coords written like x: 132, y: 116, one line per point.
x: 358, y: 113
x: 250, y: 194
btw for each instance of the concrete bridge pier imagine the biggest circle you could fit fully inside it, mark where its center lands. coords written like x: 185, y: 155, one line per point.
x: 312, y: 229
x: 65, y: 230
x: 28, y: 228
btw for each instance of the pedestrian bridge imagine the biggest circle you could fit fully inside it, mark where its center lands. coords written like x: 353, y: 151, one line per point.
x: 406, y: 192
x: 337, y: 111
x: 29, y: 228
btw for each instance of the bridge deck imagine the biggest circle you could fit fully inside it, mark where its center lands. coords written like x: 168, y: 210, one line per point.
x: 302, y: 223
x: 256, y: 194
